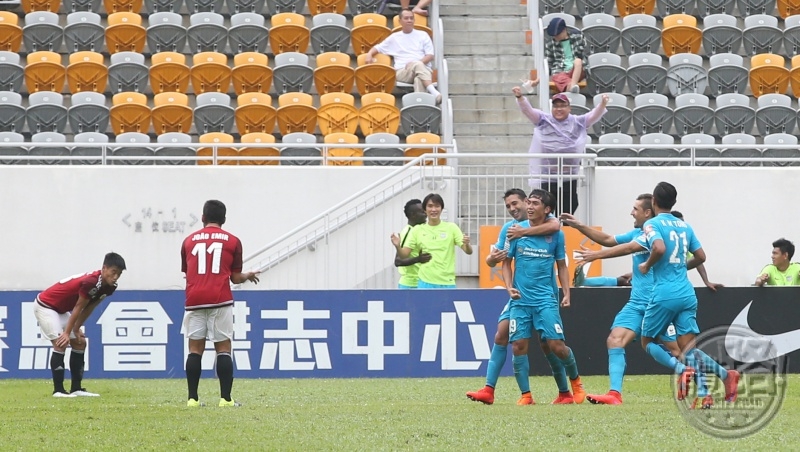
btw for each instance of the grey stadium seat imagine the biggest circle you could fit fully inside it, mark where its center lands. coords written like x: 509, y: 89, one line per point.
x: 698, y: 143
x: 734, y: 114
x: 12, y: 113
x: 605, y: 73
x: 791, y: 34
x: 651, y: 113
x: 640, y: 34
x: 761, y: 35
x: 686, y: 74
x: 204, y: 6
x: 122, y: 150
x: 692, y: 114
x: 84, y: 32
x: 555, y: 6
x: 160, y: 6
x: 420, y: 114
x: 11, y: 150
x: 577, y: 103
x: 127, y: 72
x: 58, y: 149
x: 42, y: 32
x: 364, y: 6
x: 46, y: 112
x: 706, y: 7
x: 775, y: 114
x: 387, y: 139
x: 752, y: 7
x: 87, y: 149
x: 727, y: 74
x: 667, y: 7
x: 245, y: 6
x: 645, y: 73
x: 329, y: 33
x: 617, y: 117
x: 615, y: 145
x: 213, y: 113
x: 601, y: 33
x: 721, y: 34
x: 285, y: 6
x: 207, y: 33
x: 292, y: 73
x: 174, y: 138
x: 781, y: 139
x: 665, y: 153
x: 11, y: 72
x: 248, y: 33
x: 83, y: 5
x: 88, y: 112
x: 747, y: 152
x: 594, y: 6
x: 166, y: 33
x: 300, y: 138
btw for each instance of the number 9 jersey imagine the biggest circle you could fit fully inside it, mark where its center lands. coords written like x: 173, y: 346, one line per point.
x: 670, y: 279
x: 208, y: 258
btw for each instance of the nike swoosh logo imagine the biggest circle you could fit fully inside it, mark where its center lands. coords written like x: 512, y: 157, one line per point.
x: 780, y: 344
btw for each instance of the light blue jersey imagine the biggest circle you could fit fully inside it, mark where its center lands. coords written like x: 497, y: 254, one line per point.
x: 641, y: 285
x: 535, y: 258
x: 670, y: 279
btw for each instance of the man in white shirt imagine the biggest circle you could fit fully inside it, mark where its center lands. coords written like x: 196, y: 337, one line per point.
x: 412, y: 51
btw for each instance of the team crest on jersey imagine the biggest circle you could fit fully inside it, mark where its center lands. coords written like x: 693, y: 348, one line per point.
x: 93, y: 292
x: 548, y: 239
x: 442, y: 235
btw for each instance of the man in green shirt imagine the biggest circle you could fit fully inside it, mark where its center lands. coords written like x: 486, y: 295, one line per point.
x: 409, y: 267
x: 781, y: 272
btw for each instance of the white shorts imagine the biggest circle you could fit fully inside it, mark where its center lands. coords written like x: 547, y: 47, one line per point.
x: 51, y: 323
x: 215, y: 324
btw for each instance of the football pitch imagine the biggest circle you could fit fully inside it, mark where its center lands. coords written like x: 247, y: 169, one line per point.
x: 362, y: 414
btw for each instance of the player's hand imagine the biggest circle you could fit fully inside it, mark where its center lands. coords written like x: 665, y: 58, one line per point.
x: 395, y: 240
x: 565, y: 302
x: 514, y: 293
x: 569, y: 220
x: 80, y: 338
x: 584, y: 255
x: 423, y: 258
x: 643, y: 268
x: 497, y: 254
x: 515, y: 232
x: 62, y: 340
x: 253, y: 277
x: 466, y: 240
x: 517, y: 91
x: 713, y: 286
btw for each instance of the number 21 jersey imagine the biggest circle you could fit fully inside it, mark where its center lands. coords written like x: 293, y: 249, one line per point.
x: 208, y: 257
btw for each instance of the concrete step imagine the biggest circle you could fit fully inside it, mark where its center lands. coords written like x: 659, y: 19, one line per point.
x: 487, y: 129
x: 477, y: 23
x: 502, y: 62
x: 494, y: 144
x: 500, y: 89
x: 485, y: 116
x: 497, y: 102
x: 486, y: 49
x: 476, y: 7
x: 488, y: 37
x: 486, y: 10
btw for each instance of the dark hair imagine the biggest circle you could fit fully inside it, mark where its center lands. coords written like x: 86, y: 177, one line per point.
x: 545, y: 196
x: 400, y: 14
x: 785, y: 246
x: 647, y: 201
x: 408, y: 205
x: 435, y: 197
x: 677, y: 214
x: 515, y: 191
x: 113, y: 259
x: 214, y: 212
x: 665, y: 195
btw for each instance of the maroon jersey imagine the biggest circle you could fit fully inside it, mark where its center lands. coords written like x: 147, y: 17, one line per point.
x: 208, y: 257
x: 63, y: 295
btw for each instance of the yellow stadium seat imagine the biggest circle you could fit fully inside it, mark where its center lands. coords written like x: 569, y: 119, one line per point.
x: 296, y: 113
x: 369, y: 30
x: 210, y: 73
x: 424, y: 138
x: 625, y: 7
x: 41, y: 5
x: 115, y: 6
x: 251, y: 72
x: 768, y: 74
x: 681, y: 35
x: 44, y: 72
x: 169, y: 73
x: 289, y: 33
x: 86, y: 72
x: 255, y: 113
x: 337, y: 113
x: 343, y: 138
x: 218, y: 140
x: 788, y: 8
x: 10, y: 32
x: 125, y: 33
x: 327, y: 6
x: 171, y: 113
x: 378, y: 114
x: 258, y: 138
x: 794, y: 75
x: 420, y: 23
x: 130, y: 113
x: 378, y: 76
x: 333, y: 73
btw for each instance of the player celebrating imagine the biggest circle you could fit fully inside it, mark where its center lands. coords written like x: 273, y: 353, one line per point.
x: 61, y: 311
x: 211, y: 259
x: 534, y: 304
x: 515, y: 200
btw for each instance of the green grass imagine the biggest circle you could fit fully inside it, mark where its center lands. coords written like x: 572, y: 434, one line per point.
x: 361, y: 414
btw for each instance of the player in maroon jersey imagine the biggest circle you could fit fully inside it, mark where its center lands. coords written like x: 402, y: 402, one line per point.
x: 212, y: 260
x: 61, y: 311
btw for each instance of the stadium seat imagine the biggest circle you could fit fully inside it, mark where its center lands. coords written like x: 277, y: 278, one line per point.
x: 424, y: 138
x: 791, y: 34
x: 84, y: 32
x: 600, y: 33
x: 639, y: 34
x: 727, y: 74
x: 10, y: 32
x: 651, y: 114
x: 213, y: 113
x: 378, y: 76
x: 210, y: 73
x: 753, y: 7
x: 748, y: 152
x: 645, y: 73
x: 393, y: 152
x: 775, y: 114
x: 761, y: 35
x: 369, y: 30
x: 342, y: 138
x: 707, y: 7
x: 667, y: 154
x: 172, y: 113
x: 44, y: 72
x: 420, y: 114
x: 626, y: 7
x: 615, y: 147
x: 605, y: 73
x: 577, y: 103
x: 42, y: 32
x: 292, y: 73
x: 289, y: 33
x: 173, y: 140
x: 286, y: 6
x: 248, y: 33
x: 667, y: 7
x: 86, y: 72
x: 11, y: 72
x: 130, y: 113
x: 255, y: 113
x: 734, y: 114
x: 246, y: 6
x: 126, y: 147
x: 166, y: 33
x: 83, y: 5
x: 88, y: 113
x: 333, y: 73
x: 160, y: 6
x: 329, y: 33
x: 204, y: 6
x: 781, y: 139
x: 296, y: 113
x: 258, y: 138
x: 794, y: 76
x: 127, y: 72
x: 692, y: 114
x: 594, y: 6
x: 378, y: 114
x: 337, y: 113
x: 327, y: 6
x: 216, y: 142
x: 364, y: 6
x: 555, y: 6
x: 207, y: 32
x: 681, y: 35
x: 125, y: 33
x: 721, y: 34
x: 91, y: 147
x: 30, y: 6
x: 686, y: 74
x: 697, y: 142
x: 116, y: 6
x: 169, y: 73
x: 12, y: 113
x: 420, y: 23
x: 251, y: 73
x: 788, y: 8
x: 569, y: 19
x: 52, y: 144
x: 768, y: 74
x: 302, y: 145
x: 617, y: 118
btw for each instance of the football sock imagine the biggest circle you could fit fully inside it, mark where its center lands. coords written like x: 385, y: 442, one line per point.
x: 193, y: 370
x: 600, y: 281
x: 616, y: 368
x: 76, y: 361
x: 570, y: 366
x: 559, y: 374
x: 522, y: 368
x: 225, y: 375
x: 496, y: 363
x: 664, y: 347
x: 664, y: 358
x: 699, y: 375
x: 57, y: 368
x: 708, y: 364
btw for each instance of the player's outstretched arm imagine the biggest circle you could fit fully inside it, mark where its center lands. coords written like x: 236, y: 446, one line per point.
x: 587, y: 255
x: 593, y: 234
x: 698, y: 257
x: 240, y: 278
x: 563, y: 278
x: 75, y: 316
x: 657, y: 250
x: 549, y: 227
x: 704, y: 276
x: 508, y: 279
x: 495, y: 256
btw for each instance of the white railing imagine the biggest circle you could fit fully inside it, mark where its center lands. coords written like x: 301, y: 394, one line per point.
x: 537, y: 50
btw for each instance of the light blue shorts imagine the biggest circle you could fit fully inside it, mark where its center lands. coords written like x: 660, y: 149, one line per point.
x: 546, y: 320
x: 506, y: 314
x: 631, y: 317
x: 423, y: 285
x: 682, y: 312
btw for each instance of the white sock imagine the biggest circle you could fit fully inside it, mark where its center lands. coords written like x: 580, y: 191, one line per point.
x: 432, y: 89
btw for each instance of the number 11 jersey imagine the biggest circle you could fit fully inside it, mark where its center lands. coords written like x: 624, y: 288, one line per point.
x: 208, y: 257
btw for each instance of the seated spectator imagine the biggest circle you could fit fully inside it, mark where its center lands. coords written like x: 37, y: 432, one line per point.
x: 781, y: 272
x: 565, y: 56
x: 412, y: 51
